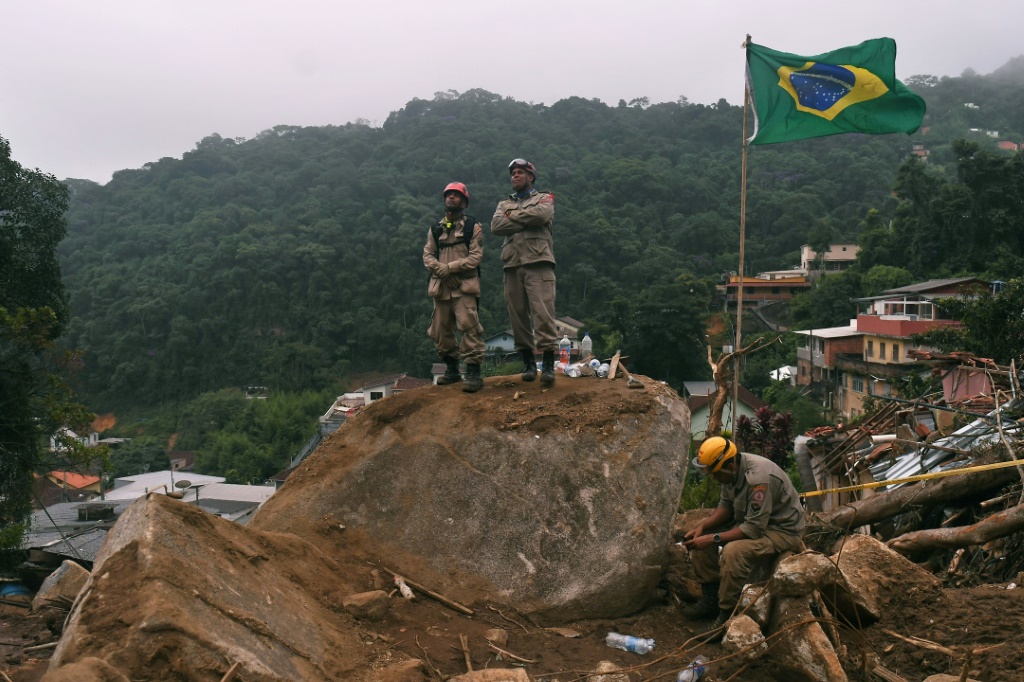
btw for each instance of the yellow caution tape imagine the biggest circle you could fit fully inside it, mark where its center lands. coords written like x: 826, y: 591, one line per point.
x: 919, y: 477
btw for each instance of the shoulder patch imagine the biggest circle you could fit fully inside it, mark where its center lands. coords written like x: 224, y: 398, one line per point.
x: 757, y: 497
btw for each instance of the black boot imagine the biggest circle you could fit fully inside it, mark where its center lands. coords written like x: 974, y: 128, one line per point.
x: 530, y: 365
x: 451, y: 373
x: 706, y: 606
x: 547, y: 370
x: 716, y: 631
x: 473, y: 380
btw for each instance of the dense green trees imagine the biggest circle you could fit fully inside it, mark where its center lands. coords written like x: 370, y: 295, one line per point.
x: 35, y: 400
x: 993, y: 326
x: 293, y: 259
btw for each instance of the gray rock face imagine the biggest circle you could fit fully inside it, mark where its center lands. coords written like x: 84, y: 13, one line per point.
x: 560, y: 502
x: 176, y: 585
x: 66, y: 582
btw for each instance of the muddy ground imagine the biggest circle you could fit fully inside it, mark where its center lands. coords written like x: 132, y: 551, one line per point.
x: 962, y: 619
x: 425, y: 629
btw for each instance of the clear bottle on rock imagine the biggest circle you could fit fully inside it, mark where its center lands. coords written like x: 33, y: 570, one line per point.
x: 586, y: 346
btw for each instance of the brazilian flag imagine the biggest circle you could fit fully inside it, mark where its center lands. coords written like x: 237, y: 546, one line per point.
x: 851, y: 90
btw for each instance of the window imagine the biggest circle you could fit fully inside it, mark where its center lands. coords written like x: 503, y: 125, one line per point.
x: 881, y: 351
x: 871, y: 349
x: 776, y: 290
x: 896, y: 352
x: 858, y: 384
x: 376, y: 395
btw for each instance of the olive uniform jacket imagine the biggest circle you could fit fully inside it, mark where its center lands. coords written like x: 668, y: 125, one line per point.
x: 451, y: 250
x: 527, y: 229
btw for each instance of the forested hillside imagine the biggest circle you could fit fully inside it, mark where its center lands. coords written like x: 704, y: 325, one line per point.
x: 293, y: 259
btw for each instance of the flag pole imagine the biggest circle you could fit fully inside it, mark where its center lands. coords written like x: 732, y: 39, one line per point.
x: 743, y: 233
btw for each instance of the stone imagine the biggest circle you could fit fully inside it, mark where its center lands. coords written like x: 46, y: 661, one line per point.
x: 743, y: 634
x: 872, y: 576
x: 496, y: 636
x: 551, y: 503
x: 409, y: 670
x: 943, y: 677
x: 606, y: 671
x: 175, y: 583
x: 88, y: 669
x: 802, y: 651
x: 493, y: 675
x: 802, y: 574
x: 756, y: 602
x: 64, y: 583
x: 372, y: 606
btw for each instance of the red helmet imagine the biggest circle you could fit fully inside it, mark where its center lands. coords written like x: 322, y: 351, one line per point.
x: 457, y: 187
x: 525, y: 165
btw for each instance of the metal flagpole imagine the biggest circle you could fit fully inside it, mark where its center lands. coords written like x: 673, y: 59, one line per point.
x: 743, y: 233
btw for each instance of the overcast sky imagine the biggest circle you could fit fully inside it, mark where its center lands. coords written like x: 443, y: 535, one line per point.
x: 91, y: 87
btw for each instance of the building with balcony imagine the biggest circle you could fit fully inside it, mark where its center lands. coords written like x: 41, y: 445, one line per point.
x: 839, y: 257
x: 759, y: 291
x: 846, y: 365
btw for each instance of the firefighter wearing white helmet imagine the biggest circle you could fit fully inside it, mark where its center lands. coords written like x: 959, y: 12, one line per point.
x: 525, y: 219
x: 452, y: 254
x: 758, y: 517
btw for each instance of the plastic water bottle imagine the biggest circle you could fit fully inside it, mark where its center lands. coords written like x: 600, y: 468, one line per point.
x: 694, y: 671
x: 587, y: 345
x: 563, y: 348
x: 638, y: 645
x: 595, y: 364
x: 573, y: 370
x: 603, y: 370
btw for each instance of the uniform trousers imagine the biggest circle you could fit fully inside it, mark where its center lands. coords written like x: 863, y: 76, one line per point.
x: 458, y: 312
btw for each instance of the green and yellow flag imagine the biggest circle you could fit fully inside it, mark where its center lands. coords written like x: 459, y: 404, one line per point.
x: 851, y: 90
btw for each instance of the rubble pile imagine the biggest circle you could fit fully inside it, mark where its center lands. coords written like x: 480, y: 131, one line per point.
x: 500, y: 537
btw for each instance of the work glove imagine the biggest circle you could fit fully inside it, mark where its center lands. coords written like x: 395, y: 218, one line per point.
x: 442, y: 270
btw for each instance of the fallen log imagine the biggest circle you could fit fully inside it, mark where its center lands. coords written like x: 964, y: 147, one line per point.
x: 997, y: 525
x: 888, y: 504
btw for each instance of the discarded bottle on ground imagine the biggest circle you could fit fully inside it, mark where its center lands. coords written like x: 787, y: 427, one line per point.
x: 694, y: 671
x: 638, y: 645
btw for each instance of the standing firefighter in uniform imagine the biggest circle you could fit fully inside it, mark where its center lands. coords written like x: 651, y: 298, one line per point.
x: 758, y: 517
x: 454, y: 249
x: 524, y: 219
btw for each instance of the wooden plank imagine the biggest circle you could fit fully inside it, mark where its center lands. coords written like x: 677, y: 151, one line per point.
x: 614, y: 367
x: 439, y: 597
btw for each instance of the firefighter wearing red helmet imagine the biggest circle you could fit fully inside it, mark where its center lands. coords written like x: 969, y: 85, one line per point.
x: 452, y: 254
x: 525, y: 220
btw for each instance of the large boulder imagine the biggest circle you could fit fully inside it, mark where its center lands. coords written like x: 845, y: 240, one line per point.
x: 870, y: 577
x: 559, y: 501
x: 177, y: 593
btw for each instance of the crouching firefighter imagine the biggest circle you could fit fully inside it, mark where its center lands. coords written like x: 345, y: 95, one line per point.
x: 758, y: 517
x: 452, y: 254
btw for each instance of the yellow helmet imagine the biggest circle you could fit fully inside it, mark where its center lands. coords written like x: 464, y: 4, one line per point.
x: 713, y: 453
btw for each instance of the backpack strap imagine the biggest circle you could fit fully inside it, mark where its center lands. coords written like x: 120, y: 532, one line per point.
x: 468, y: 228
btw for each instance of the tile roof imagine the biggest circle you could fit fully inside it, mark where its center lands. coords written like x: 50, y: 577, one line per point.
x: 75, y: 480
x: 406, y: 383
